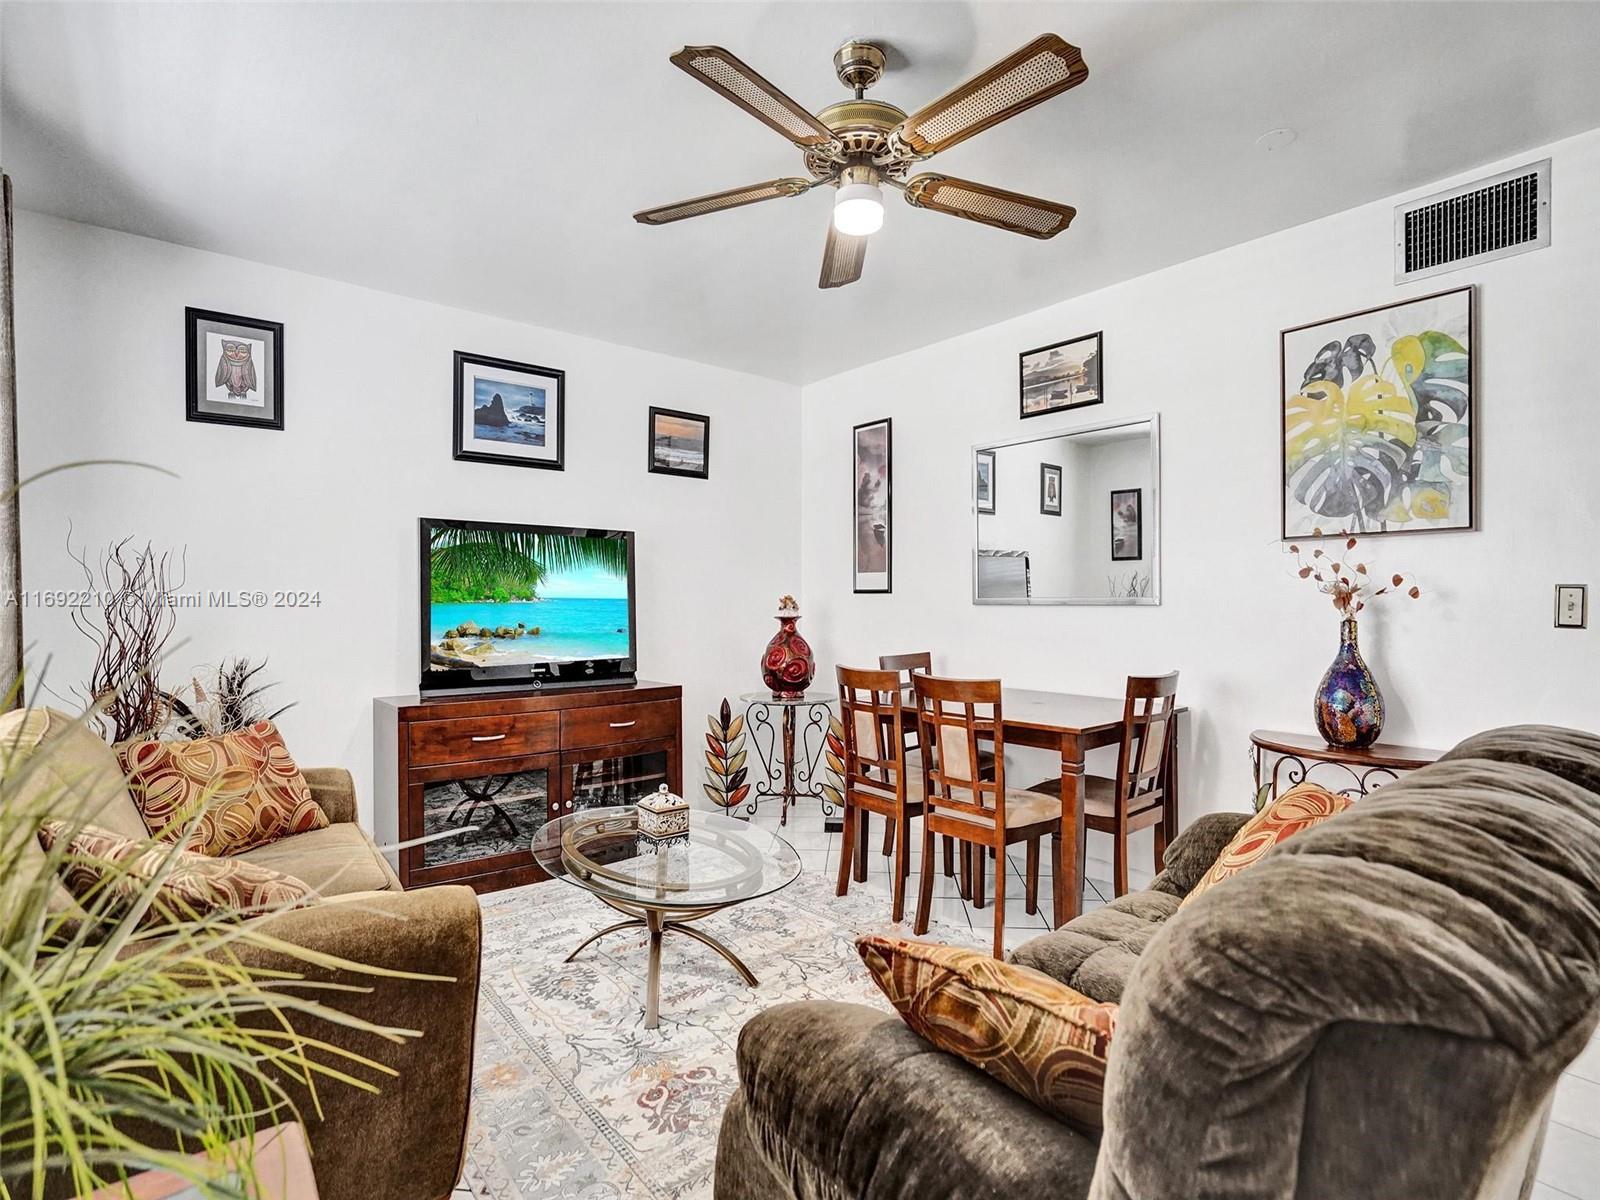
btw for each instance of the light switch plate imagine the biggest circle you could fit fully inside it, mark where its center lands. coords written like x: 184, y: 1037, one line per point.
x: 1572, y: 606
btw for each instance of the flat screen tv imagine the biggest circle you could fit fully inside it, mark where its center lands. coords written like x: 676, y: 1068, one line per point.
x: 525, y: 606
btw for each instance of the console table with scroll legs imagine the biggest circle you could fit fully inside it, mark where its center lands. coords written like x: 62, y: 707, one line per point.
x: 1290, y: 758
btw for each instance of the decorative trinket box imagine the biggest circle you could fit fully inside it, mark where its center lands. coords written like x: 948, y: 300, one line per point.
x: 663, y: 816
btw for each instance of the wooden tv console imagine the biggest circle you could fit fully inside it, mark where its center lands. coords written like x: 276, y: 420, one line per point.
x: 505, y: 764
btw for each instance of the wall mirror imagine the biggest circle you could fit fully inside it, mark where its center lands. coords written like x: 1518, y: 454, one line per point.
x: 1069, y: 516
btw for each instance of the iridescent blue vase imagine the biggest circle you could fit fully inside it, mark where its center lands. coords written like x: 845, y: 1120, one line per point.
x: 1349, y: 706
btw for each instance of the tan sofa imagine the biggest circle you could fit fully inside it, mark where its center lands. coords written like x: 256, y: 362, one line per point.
x: 407, y: 1142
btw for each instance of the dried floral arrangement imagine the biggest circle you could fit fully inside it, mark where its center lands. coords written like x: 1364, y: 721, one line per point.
x: 232, y: 700
x: 1349, y: 583
x: 129, y: 629
x: 130, y: 624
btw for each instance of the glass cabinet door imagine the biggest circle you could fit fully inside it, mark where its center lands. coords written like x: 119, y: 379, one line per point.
x: 613, y: 780
x: 507, y: 808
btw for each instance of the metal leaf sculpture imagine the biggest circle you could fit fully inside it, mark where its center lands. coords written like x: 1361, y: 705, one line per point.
x: 833, y: 781
x: 725, y: 758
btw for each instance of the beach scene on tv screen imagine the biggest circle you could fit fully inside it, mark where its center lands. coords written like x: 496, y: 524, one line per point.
x: 503, y: 597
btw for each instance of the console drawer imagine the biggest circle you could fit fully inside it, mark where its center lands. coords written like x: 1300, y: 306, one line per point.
x: 583, y: 728
x: 466, y: 739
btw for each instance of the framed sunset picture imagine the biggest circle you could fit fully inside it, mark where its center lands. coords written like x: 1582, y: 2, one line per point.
x: 680, y: 443
x: 1377, y: 432
x: 1061, y: 375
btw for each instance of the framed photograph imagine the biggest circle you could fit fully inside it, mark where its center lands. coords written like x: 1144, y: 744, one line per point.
x: 1376, y: 430
x: 509, y: 412
x: 234, y: 369
x: 680, y: 443
x: 1127, y: 525
x: 1049, y: 490
x: 983, y: 480
x: 872, y: 506
x: 1061, y: 376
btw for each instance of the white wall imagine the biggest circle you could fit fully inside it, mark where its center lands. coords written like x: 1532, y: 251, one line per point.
x: 331, y: 503
x: 1198, y: 343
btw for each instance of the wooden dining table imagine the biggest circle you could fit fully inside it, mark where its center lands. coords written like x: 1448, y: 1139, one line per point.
x: 1071, y: 725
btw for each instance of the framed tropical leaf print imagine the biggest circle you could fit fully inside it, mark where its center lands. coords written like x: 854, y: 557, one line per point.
x: 1377, y: 420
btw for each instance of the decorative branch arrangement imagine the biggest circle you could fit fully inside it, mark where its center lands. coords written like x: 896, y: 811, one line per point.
x: 231, y: 702
x: 1348, y: 583
x: 1135, y: 586
x: 130, y: 632
x: 725, y: 758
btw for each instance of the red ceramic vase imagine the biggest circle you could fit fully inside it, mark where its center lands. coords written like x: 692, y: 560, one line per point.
x: 787, y: 667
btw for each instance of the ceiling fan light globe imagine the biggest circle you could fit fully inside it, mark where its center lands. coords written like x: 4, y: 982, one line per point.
x: 858, y: 209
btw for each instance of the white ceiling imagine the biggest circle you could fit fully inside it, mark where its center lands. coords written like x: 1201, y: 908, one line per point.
x: 489, y: 156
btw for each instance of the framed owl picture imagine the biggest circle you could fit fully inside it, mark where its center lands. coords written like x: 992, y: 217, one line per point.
x: 234, y: 369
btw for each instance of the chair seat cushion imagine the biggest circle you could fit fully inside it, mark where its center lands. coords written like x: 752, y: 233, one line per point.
x: 333, y: 860
x: 885, y: 791
x: 1099, y: 795
x: 1096, y: 952
x: 1023, y: 808
x: 1039, y: 1037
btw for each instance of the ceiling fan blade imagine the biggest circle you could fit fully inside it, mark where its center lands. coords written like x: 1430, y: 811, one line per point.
x: 1045, y: 67
x: 841, y: 258
x: 989, y: 205
x: 724, y: 72
x: 717, y: 201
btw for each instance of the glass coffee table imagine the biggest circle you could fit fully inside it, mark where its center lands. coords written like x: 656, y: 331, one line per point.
x: 663, y: 886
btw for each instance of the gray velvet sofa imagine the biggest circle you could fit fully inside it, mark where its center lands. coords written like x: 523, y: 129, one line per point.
x: 1380, y: 1008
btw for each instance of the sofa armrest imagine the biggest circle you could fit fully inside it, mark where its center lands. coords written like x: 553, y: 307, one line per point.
x: 1194, y: 851
x: 407, y: 1142
x: 844, y: 1100
x: 334, y: 791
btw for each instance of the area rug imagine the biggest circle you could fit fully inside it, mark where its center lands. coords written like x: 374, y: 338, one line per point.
x: 573, y: 1097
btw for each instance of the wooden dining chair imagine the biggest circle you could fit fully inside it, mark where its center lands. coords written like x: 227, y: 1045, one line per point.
x: 920, y: 662
x: 953, y: 717
x: 1136, y: 798
x: 876, y: 778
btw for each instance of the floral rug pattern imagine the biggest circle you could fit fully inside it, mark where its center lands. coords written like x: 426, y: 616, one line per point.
x: 573, y: 1097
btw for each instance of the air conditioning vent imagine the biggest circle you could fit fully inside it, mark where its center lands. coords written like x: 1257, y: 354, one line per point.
x: 1475, y: 223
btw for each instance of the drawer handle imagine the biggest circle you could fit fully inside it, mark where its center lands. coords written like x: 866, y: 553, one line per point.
x: 623, y: 724
x: 488, y: 737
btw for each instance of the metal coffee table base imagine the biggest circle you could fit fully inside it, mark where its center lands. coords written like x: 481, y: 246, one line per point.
x: 661, y: 922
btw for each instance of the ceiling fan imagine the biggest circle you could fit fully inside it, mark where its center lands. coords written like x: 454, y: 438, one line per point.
x: 859, y: 145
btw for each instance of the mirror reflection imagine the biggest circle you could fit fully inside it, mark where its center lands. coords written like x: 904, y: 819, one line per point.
x: 1069, y: 517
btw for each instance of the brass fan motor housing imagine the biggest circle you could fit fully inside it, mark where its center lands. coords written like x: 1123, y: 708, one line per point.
x: 859, y: 65
x: 862, y: 127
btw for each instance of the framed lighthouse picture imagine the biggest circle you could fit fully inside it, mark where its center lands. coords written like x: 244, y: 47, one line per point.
x: 234, y: 369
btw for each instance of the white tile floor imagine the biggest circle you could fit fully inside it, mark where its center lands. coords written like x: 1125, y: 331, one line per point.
x: 1569, y: 1169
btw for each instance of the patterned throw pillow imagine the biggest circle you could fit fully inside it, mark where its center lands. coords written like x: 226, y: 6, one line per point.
x: 1299, y: 808
x: 1037, y: 1036
x: 98, y: 863
x: 249, y: 787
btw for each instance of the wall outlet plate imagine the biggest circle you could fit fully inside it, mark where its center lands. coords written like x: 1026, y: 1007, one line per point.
x: 1572, y: 606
